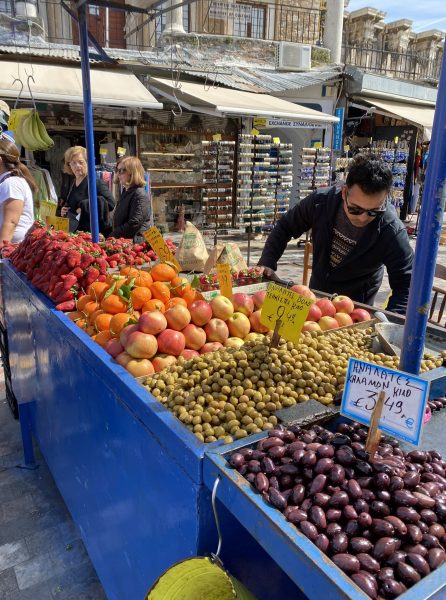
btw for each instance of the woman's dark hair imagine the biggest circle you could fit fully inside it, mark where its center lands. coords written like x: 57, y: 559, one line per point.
x: 11, y: 161
x: 371, y: 175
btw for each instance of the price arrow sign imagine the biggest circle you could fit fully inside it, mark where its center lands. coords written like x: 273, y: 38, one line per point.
x: 224, y: 279
x: 404, y: 403
x: 47, y: 209
x: 60, y: 223
x: 155, y: 239
x: 284, y: 305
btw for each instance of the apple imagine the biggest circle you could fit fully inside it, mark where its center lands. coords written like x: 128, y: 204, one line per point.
x: 126, y: 332
x: 259, y: 298
x: 234, y: 342
x: 211, y: 347
x: 153, y: 322
x: 328, y: 323
x: 256, y: 325
x: 314, y: 313
x: 187, y: 353
x: 222, y: 308
x: 239, y: 325
x: 139, y: 367
x: 303, y: 290
x: 200, y: 312
x: 177, y: 317
x: 243, y: 303
x: 343, y: 304
x: 343, y: 319
x: 360, y: 314
x: 311, y: 326
x: 326, y: 306
x: 217, y: 331
x: 141, y: 345
x: 171, y: 341
x: 162, y: 361
x: 114, y: 347
x: 195, y: 337
x: 123, y: 358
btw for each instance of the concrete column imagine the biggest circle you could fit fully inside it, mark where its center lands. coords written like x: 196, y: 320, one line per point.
x: 174, y: 18
x: 334, y: 18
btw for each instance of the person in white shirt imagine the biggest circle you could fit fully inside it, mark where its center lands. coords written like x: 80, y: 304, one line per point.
x: 16, y: 193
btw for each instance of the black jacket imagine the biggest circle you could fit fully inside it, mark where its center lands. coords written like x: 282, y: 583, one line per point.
x: 385, y: 243
x: 77, y: 197
x: 132, y: 214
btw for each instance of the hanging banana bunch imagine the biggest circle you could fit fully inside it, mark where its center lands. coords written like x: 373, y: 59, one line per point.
x: 29, y: 131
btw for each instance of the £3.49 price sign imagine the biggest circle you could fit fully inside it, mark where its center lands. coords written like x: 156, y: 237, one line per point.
x: 406, y: 395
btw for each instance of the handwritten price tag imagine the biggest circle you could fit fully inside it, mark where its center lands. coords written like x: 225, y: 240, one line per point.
x: 404, y: 404
x: 284, y: 305
x: 60, y: 223
x: 47, y: 209
x: 155, y: 239
x: 224, y: 279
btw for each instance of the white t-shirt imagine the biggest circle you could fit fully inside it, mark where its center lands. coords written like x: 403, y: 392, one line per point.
x: 18, y: 189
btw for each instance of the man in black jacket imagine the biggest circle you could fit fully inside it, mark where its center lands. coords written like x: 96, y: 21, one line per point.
x: 356, y: 233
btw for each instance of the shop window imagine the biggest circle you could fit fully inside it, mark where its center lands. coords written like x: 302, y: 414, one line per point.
x: 186, y: 17
x: 93, y: 10
x: 249, y: 21
x: 6, y: 6
x: 160, y: 23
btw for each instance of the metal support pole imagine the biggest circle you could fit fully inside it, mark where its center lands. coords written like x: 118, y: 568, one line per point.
x: 431, y: 221
x: 88, y: 120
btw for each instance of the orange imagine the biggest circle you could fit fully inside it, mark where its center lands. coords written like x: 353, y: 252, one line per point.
x: 82, y: 301
x: 97, y: 290
x: 114, y: 304
x: 160, y: 291
x: 118, y: 322
x: 139, y: 296
x: 82, y: 323
x: 102, y: 321
x: 94, y: 315
x: 143, y: 279
x: 129, y: 271
x: 163, y: 272
x: 153, y: 305
x: 115, y: 280
x: 189, y: 296
x: 75, y: 315
x: 102, y: 337
x: 174, y: 301
x: 179, y: 286
x: 90, y: 330
x: 90, y: 307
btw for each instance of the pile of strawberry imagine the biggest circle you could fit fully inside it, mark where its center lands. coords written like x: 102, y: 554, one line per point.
x: 121, y: 252
x: 239, y: 278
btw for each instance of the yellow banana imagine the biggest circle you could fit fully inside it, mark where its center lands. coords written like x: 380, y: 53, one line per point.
x: 26, y: 131
x: 47, y: 142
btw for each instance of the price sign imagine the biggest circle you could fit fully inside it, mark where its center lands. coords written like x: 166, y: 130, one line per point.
x: 346, y: 148
x: 317, y: 145
x: 405, y: 399
x: 217, y: 137
x: 58, y: 223
x: 47, y: 209
x: 254, y: 131
x: 284, y: 305
x: 276, y: 140
x: 224, y: 279
x: 121, y: 151
x: 155, y: 239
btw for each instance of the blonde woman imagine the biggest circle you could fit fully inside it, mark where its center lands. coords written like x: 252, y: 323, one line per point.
x: 132, y: 213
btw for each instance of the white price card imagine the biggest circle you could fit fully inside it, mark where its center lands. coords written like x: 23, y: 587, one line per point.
x: 404, y: 405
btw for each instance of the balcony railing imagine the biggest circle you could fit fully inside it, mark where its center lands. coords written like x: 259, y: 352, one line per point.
x: 409, y: 65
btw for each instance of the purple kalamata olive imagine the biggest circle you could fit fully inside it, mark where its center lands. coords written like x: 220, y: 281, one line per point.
x: 268, y: 466
x: 345, y: 457
x: 360, y: 544
x: 262, y: 482
x: 424, y: 501
x: 336, y: 474
x: 323, y: 465
x: 382, y: 528
x: 368, y: 495
x: 251, y: 478
x: 309, y: 459
x: 437, y: 530
x: 309, y: 530
x: 237, y: 460
x: 254, y: 466
x: 396, y: 483
x: 416, y: 549
x: 325, y: 451
x: 271, y: 442
x: 354, y: 489
x: 258, y: 455
x: 417, y: 456
x: 411, y: 479
x: 277, y: 499
x: 419, y: 563
x: 313, y: 446
x: 383, y: 496
x: 296, y: 515
x: 298, y: 455
x: 349, y: 512
x: 298, y: 494
x: 289, y: 469
x: 364, y: 519
x: 318, y: 484
x: 407, y: 574
x: 340, y: 439
x: 368, y: 563
x: 339, y: 542
x: 404, y: 498
x: 430, y: 541
x: 277, y: 452
x: 333, y: 514
x: 321, y: 499
x: 407, y: 514
x: 367, y: 583
x: 382, y: 481
x: 333, y: 529
x: 322, y: 542
x: 364, y: 468
x: 379, y: 509
x: 384, y: 547
x: 436, y: 557
x: 286, y: 482
x: 352, y: 528
x: 365, y: 482
x: 274, y: 482
x: 428, y: 516
x: 339, y: 499
x: 317, y: 516
x: 346, y: 562
x: 361, y: 506
x: 391, y: 588
x: 246, y: 452
x: 399, y: 526
x: 399, y: 555
x: 306, y: 504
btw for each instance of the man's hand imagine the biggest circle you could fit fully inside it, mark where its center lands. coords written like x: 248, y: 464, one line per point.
x: 269, y: 273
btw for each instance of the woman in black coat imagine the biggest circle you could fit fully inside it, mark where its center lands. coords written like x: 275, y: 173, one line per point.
x: 132, y: 213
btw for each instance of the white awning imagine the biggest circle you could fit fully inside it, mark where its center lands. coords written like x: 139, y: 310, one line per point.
x: 55, y: 83
x: 218, y: 101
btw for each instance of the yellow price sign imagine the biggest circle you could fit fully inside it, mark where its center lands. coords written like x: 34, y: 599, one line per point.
x: 121, y: 151
x: 276, y: 140
x: 155, y: 239
x: 16, y: 115
x: 47, y: 209
x: 216, y: 137
x: 259, y: 122
x: 224, y: 279
x: 284, y: 305
x: 317, y: 145
x: 255, y: 131
x: 347, y: 148
x: 60, y: 223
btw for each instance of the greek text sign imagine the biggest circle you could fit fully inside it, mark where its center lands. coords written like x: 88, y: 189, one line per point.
x: 284, y: 305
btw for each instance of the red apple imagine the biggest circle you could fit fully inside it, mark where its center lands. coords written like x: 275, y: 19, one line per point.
x: 303, y: 290
x: 256, y: 325
x: 311, y: 326
x: 141, y: 345
x: 314, y: 313
x: 326, y: 323
x: 343, y: 319
x: 195, y: 337
x: 243, y: 303
x: 200, y: 312
x: 123, y: 358
x: 177, y: 317
x: 360, y: 314
x: 259, y: 298
x: 162, y: 361
x: 234, y: 342
x: 171, y: 342
x: 153, y: 322
x: 222, y: 308
x: 114, y: 347
x: 126, y: 332
x: 187, y: 353
x: 211, y: 347
x: 217, y: 331
x: 343, y: 304
x: 326, y: 306
x: 238, y: 325
x: 139, y: 367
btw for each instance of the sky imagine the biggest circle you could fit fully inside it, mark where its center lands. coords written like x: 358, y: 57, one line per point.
x: 426, y: 14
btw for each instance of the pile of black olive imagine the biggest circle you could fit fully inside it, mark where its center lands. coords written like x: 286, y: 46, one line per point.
x: 380, y: 521
x: 437, y: 404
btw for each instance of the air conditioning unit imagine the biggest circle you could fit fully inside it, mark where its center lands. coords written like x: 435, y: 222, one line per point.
x: 293, y: 57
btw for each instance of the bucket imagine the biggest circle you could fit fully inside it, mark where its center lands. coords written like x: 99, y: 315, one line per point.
x: 200, y: 578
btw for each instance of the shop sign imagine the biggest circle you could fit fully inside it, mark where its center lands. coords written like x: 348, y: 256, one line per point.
x: 224, y: 279
x: 60, y: 223
x: 154, y: 238
x: 47, y: 209
x: 266, y: 123
x: 225, y: 10
x: 405, y: 399
x: 337, y: 132
x: 285, y: 306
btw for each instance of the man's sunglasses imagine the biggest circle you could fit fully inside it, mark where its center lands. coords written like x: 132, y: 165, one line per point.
x: 357, y: 210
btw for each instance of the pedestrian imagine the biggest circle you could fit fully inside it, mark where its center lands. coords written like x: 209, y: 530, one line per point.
x: 356, y: 233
